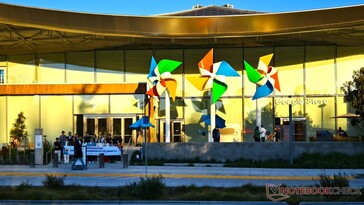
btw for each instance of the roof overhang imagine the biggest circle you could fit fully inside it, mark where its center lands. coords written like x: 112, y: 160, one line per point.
x: 34, y: 29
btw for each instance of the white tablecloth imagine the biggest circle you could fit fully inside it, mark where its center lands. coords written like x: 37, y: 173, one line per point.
x: 95, y: 151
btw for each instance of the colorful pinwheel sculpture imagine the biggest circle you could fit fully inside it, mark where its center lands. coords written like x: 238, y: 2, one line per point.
x: 161, y: 78
x: 266, y: 77
x: 212, y: 76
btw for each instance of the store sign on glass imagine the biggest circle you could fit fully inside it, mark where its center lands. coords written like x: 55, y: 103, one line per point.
x: 309, y: 101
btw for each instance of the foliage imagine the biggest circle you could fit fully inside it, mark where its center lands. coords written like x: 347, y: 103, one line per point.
x: 148, y: 188
x: 24, y: 186
x: 354, y: 92
x: 53, y: 182
x: 180, y: 193
x: 18, y: 133
x: 338, y: 180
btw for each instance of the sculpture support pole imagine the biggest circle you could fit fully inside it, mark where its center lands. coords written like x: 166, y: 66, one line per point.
x: 290, y: 149
x: 167, y: 129
x: 258, y: 114
x: 212, y: 117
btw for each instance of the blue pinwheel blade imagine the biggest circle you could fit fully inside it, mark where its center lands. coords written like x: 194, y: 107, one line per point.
x: 226, y: 69
x: 153, y: 65
x: 263, y: 90
x: 219, y: 122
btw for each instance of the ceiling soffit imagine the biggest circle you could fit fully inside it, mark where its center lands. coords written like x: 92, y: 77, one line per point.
x: 27, y: 29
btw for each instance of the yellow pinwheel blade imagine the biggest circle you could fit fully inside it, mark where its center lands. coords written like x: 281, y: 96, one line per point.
x: 266, y: 59
x: 171, y: 85
x: 198, y: 81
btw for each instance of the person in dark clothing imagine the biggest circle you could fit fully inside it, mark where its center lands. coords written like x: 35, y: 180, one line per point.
x: 57, y: 149
x: 77, y: 152
x: 256, y: 134
x: 277, y: 135
x: 216, y: 134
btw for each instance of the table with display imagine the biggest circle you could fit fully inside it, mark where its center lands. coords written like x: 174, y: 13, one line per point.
x: 95, y: 151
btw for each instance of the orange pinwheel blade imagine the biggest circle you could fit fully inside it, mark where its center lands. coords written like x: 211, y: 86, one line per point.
x: 207, y: 61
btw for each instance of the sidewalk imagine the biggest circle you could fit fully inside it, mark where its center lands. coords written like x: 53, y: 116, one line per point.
x: 174, y: 175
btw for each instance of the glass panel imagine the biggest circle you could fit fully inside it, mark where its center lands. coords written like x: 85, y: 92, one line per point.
x: 289, y: 62
x: 29, y: 105
x: 91, y: 104
x: 21, y: 69
x: 176, y: 108
x: 137, y: 63
x: 102, y: 126
x: 194, y: 127
x: 80, y: 67
x: 117, y: 126
x: 128, y: 137
x: 51, y: 68
x: 233, y: 56
x: 3, y: 114
x: 320, y: 70
x: 281, y: 106
x: 265, y: 106
x: 345, y: 123
x: 319, y: 113
x: 349, y: 59
x: 251, y: 56
x: 231, y: 110
x: 56, y: 110
x: 2, y: 76
x: 127, y: 103
x: 90, y: 126
x: 110, y: 66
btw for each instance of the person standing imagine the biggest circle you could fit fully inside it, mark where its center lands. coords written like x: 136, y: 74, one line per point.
x: 277, y: 135
x: 57, y: 149
x: 70, y: 138
x: 263, y: 132
x: 77, y: 152
x: 62, y: 140
x: 256, y: 134
x: 66, y: 156
x: 216, y: 134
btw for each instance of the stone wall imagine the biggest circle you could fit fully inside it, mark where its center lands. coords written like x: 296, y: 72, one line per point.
x: 256, y: 151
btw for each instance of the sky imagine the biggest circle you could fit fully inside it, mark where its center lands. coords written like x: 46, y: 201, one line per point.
x: 154, y: 7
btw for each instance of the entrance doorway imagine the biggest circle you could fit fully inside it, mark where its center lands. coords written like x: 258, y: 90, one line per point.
x: 176, y: 131
x: 101, y: 125
x: 299, y: 129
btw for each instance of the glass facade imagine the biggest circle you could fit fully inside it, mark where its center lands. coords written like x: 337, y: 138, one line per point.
x: 310, y: 79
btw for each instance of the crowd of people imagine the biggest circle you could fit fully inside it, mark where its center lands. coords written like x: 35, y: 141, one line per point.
x: 260, y: 134
x: 63, y: 142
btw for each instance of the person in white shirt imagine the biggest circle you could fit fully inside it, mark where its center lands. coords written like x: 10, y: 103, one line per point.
x: 262, y: 133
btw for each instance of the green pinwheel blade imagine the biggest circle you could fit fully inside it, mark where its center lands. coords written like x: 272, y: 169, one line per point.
x: 253, y: 75
x: 167, y: 65
x: 218, y: 89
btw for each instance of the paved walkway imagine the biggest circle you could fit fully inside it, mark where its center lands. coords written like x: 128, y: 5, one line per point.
x: 174, y: 175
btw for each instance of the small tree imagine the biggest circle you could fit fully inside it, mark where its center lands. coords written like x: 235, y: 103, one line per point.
x: 354, y: 94
x: 18, y: 132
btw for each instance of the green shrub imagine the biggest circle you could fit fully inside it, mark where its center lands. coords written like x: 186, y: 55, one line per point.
x: 24, y: 186
x: 338, y: 180
x: 148, y: 188
x: 52, y: 182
